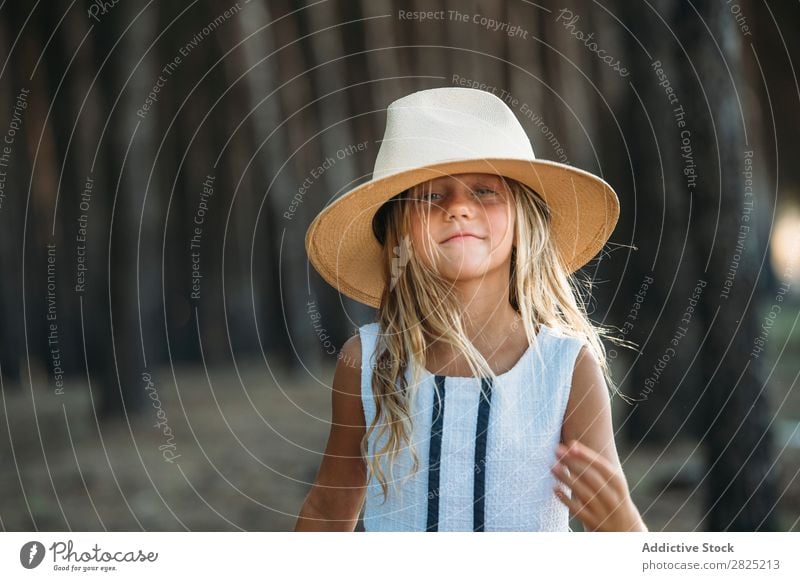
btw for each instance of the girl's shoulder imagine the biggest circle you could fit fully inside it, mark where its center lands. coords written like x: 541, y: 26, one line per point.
x: 561, y: 345
x: 372, y: 327
x: 369, y: 334
x: 560, y: 334
x: 554, y: 335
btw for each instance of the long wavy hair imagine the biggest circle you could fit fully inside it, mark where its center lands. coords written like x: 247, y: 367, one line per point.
x: 419, y: 307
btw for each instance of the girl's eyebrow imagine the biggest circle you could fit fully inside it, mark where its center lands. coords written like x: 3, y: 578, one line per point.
x: 477, y: 183
x: 490, y: 185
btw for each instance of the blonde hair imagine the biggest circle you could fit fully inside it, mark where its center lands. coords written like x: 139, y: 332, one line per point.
x: 418, y: 305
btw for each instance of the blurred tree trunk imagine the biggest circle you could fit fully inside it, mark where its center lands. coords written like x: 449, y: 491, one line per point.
x: 271, y: 256
x: 686, y: 229
x: 134, y: 253
x: 204, y: 122
x: 661, y: 273
x: 42, y: 227
x: 329, y: 131
x: 385, y: 64
x: 82, y: 178
x: 12, y: 205
x: 741, y: 491
x: 333, y: 132
x: 525, y: 76
x: 569, y: 72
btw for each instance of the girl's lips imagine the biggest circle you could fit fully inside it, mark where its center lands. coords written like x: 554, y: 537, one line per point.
x: 462, y: 237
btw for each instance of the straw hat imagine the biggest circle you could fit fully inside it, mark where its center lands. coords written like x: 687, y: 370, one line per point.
x: 445, y: 131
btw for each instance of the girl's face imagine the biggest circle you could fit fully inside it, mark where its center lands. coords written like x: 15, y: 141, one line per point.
x: 471, y: 223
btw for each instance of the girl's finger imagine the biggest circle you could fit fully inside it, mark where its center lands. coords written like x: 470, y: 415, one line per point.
x: 588, y: 486
x: 613, y: 491
x: 585, y: 454
x: 578, y: 509
x: 597, y: 470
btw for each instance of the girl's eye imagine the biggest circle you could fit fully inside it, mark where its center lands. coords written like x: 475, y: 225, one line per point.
x: 436, y: 196
x: 429, y: 195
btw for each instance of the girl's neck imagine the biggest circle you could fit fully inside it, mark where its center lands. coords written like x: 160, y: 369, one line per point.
x: 490, y: 322
x: 502, y: 341
x: 486, y: 306
x: 491, y: 325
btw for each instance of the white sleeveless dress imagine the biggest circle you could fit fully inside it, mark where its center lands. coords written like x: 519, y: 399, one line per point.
x: 485, y: 448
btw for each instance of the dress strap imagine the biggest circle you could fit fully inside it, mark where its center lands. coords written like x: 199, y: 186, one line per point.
x: 437, y: 421
x: 481, y: 435
x: 369, y: 339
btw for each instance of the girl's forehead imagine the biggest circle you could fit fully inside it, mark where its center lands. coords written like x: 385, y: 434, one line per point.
x: 468, y: 178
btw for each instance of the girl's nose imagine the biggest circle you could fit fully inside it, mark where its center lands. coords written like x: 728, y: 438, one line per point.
x: 459, y: 203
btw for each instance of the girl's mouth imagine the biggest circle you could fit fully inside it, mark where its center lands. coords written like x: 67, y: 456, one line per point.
x: 461, y: 238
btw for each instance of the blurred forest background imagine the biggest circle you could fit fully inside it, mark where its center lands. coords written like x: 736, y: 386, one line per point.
x: 166, y: 350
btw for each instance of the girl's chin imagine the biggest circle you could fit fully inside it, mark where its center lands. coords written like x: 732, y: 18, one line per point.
x: 455, y: 273
x: 464, y: 263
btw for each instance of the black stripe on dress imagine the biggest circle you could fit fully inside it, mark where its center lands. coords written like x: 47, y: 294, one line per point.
x: 434, y: 462
x: 481, y: 434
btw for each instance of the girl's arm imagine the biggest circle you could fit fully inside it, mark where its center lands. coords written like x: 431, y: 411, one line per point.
x: 600, y: 496
x: 335, y: 500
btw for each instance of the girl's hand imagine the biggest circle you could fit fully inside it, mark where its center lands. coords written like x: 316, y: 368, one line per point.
x: 600, y: 498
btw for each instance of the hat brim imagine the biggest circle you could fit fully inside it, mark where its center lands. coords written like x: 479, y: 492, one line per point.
x: 342, y: 247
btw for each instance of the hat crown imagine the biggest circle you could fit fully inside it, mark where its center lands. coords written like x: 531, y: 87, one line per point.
x: 448, y: 123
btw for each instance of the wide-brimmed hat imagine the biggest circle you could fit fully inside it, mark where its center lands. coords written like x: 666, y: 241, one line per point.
x: 447, y: 131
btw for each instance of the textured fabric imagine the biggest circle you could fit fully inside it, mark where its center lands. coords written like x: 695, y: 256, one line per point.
x: 447, y: 123
x: 492, y: 479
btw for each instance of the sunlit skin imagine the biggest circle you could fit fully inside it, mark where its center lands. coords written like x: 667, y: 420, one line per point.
x: 476, y: 203
x: 478, y: 267
x: 600, y: 497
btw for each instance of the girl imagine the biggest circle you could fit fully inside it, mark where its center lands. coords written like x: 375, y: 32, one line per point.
x: 477, y: 399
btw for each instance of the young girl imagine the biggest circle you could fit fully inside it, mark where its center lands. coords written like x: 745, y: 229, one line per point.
x: 477, y: 399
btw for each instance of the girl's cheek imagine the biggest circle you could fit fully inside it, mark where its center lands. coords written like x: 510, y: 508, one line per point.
x: 499, y: 226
